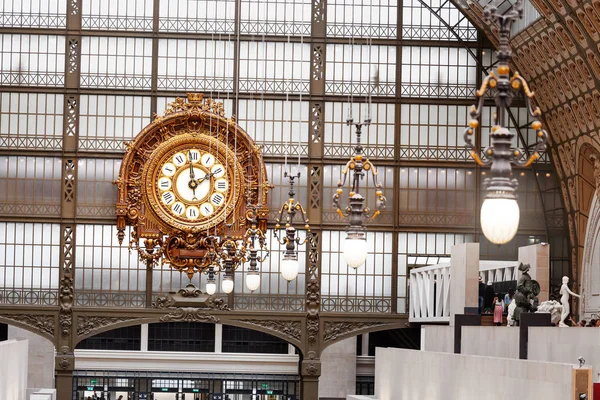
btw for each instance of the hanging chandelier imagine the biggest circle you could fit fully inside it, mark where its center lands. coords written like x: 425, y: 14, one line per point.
x: 289, y: 238
x: 256, y: 249
x: 500, y: 211
x: 226, y: 255
x: 355, y: 245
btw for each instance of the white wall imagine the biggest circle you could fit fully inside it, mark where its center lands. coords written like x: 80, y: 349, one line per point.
x: 590, y: 278
x: 41, y: 358
x: 490, y: 341
x: 13, y: 369
x: 413, y: 375
x: 437, y: 338
x: 187, y: 361
x: 338, y: 369
x: 464, y: 276
x: 566, y: 345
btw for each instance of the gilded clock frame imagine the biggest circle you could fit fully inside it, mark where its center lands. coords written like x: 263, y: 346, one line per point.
x: 196, y: 123
x: 203, y: 143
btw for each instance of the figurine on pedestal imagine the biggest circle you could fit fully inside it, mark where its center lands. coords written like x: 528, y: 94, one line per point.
x: 526, y: 295
x: 564, y: 300
x: 552, y: 307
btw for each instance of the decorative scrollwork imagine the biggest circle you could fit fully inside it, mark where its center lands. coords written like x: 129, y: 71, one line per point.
x: 196, y: 103
x: 335, y: 329
x: 189, y: 314
x: 287, y: 328
x: 190, y: 290
x: 89, y: 324
x: 65, y: 320
x: 313, y: 305
x: 42, y: 322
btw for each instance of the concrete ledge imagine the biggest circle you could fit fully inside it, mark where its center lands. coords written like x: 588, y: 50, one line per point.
x: 411, y: 374
x: 358, y: 397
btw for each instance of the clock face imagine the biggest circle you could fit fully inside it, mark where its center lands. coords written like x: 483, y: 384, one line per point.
x: 190, y: 182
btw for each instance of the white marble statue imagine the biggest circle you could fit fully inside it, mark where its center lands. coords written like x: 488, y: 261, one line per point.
x: 564, y: 300
x: 511, y: 311
x: 552, y: 307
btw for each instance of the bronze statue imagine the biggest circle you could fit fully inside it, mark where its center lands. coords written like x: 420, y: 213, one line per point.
x: 526, y: 295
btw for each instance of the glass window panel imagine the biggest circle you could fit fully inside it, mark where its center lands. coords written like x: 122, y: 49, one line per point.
x: 195, y: 64
x: 33, y: 14
x: 107, y: 274
x: 274, y: 67
x: 106, y: 122
x: 116, y: 62
x: 197, y: 16
x: 438, y: 72
x: 437, y: 196
x: 361, y: 70
x: 133, y: 15
x: 280, y: 126
x: 29, y: 263
x: 365, y: 289
x: 96, y: 193
x: 418, y: 22
x: 433, y: 132
x: 30, y: 185
x: 31, y: 120
x: 275, y: 17
x: 370, y: 18
x: 378, y: 136
x: 32, y: 60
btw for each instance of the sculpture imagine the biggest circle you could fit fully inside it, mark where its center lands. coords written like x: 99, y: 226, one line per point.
x: 552, y: 307
x: 510, y: 318
x: 526, y: 295
x: 564, y: 300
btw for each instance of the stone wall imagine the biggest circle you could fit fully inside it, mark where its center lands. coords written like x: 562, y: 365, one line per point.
x: 41, y: 358
x: 338, y: 370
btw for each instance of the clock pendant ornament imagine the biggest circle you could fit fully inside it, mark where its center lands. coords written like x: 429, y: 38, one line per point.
x: 188, y: 178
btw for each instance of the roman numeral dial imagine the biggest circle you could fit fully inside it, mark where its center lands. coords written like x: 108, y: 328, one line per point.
x: 193, y: 184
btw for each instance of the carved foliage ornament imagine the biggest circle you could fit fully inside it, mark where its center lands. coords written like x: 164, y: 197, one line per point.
x: 189, y: 314
x: 313, y: 304
x: 335, y: 330
x: 66, y: 290
x: 291, y: 329
x: 89, y: 324
x: 41, y: 322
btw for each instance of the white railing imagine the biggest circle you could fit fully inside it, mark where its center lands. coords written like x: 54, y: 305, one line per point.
x: 429, y: 288
x: 430, y: 293
x: 498, y: 271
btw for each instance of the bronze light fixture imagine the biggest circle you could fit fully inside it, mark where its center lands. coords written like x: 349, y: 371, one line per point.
x: 355, y: 244
x: 287, y: 213
x: 256, y: 247
x: 500, y: 211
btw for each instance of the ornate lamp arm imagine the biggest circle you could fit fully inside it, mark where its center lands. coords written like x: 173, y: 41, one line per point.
x: 358, y: 165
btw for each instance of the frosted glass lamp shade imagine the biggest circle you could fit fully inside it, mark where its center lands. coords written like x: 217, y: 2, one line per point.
x: 227, y: 285
x: 211, y: 288
x: 499, y: 219
x: 253, y: 281
x: 354, y: 251
x: 289, y: 269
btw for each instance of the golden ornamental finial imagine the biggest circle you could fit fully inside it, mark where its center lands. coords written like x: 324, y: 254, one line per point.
x: 194, y: 98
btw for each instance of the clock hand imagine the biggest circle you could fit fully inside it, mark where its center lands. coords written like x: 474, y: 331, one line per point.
x: 205, y: 177
x: 192, y: 176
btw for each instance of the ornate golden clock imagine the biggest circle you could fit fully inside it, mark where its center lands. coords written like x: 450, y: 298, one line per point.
x: 190, y: 174
x: 193, y: 182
